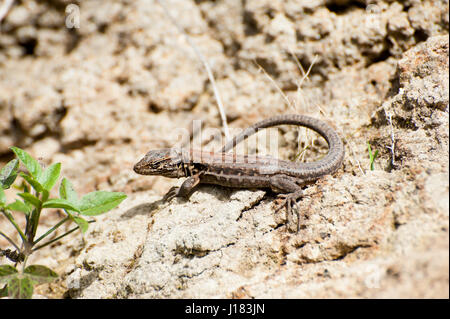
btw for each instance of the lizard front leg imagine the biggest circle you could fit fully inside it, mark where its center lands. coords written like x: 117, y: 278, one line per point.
x: 292, y: 192
x: 184, y: 190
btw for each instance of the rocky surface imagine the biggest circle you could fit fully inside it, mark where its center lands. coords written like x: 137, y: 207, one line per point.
x: 97, y: 97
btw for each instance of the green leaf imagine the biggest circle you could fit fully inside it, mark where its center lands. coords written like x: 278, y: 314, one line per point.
x: 60, y: 203
x: 7, y: 272
x: 372, y: 156
x: 33, y: 182
x: 20, y: 206
x: 20, y: 288
x: 100, y: 202
x: 8, y: 173
x: 81, y: 222
x: 40, y: 274
x: 50, y: 176
x: 2, y: 196
x: 30, y: 198
x: 30, y: 163
x: 67, y: 191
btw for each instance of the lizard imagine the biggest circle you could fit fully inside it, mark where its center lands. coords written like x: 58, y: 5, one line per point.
x: 247, y: 171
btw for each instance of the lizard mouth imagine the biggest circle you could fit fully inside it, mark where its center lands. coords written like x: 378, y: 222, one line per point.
x: 139, y: 167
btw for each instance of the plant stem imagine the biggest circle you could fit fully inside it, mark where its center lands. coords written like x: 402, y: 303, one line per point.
x: 57, y: 238
x: 205, y: 64
x: 34, y: 221
x: 24, y: 263
x: 11, y: 219
x: 10, y: 240
x: 51, y: 230
x: 301, y: 153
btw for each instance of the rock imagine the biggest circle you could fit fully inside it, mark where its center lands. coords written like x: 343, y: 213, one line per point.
x: 98, y: 97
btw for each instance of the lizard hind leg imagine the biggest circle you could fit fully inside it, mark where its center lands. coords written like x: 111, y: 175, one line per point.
x: 289, y: 201
x: 292, y: 192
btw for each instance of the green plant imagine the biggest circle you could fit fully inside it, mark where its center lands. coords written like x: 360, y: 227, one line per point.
x: 372, y: 156
x: 33, y: 198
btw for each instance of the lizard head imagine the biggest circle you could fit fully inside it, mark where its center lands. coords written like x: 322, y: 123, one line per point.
x: 163, y: 162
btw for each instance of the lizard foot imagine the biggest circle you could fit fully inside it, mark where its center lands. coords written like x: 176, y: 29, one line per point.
x: 289, y: 201
x: 184, y: 190
x: 173, y: 192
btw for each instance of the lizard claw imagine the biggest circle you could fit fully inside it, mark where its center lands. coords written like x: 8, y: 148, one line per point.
x: 283, y: 202
x: 173, y: 192
x: 289, y: 201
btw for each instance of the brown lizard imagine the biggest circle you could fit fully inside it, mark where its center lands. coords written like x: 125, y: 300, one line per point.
x: 247, y: 171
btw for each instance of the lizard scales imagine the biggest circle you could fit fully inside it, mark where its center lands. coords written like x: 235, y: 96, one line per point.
x: 247, y: 171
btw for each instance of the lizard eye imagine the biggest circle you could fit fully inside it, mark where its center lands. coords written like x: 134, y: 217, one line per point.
x: 159, y: 162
